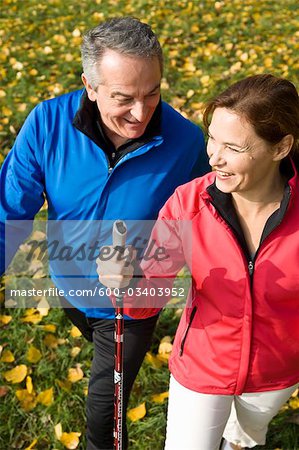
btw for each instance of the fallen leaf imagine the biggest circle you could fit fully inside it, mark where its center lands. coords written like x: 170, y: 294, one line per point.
x: 29, y: 385
x: 28, y: 401
x: 32, y: 445
x: 294, y: 403
x: 45, y: 397
x: 66, y: 385
x: 50, y: 341
x: 165, y: 347
x: 75, y: 374
x: 295, y: 393
x: 43, y: 307
x: 3, y: 391
x: 58, y: 431
x: 159, y: 398
x: 137, y: 413
x: 7, y: 356
x: 38, y: 236
x: 16, y: 375
x: 70, y: 440
x: 75, y: 351
x: 153, y: 360
x: 50, y: 327
x: 4, y: 319
x: 75, y: 332
x: 33, y: 355
x: 34, y: 317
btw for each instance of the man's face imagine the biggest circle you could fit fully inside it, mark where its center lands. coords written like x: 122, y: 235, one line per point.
x: 127, y: 95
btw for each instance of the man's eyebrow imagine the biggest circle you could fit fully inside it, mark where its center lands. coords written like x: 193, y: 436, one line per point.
x: 122, y: 94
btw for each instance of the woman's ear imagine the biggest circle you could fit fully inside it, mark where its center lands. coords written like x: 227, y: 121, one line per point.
x: 282, y: 149
x: 92, y: 95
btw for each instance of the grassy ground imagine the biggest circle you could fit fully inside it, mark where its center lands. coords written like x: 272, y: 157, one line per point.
x: 207, y: 46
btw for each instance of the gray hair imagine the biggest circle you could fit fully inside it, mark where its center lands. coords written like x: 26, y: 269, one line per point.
x: 125, y: 35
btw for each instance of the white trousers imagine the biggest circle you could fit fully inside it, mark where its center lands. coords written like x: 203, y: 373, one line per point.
x: 198, y: 421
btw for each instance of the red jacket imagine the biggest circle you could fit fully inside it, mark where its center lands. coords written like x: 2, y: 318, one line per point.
x: 241, y: 333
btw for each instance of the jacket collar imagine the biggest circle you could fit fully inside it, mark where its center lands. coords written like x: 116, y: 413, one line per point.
x: 224, y: 205
x: 88, y: 121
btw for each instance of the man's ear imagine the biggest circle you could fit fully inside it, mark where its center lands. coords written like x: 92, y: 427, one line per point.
x: 92, y: 95
x: 282, y: 149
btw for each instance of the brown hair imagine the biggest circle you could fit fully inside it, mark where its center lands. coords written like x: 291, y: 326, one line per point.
x: 270, y: 104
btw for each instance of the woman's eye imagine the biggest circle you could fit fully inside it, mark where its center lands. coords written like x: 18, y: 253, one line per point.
x: 236, y: 150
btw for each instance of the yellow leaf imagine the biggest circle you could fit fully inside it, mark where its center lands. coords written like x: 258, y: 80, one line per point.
x: 75, y: 332
x: 32, y: 445
x: 45, y: 397
x: 66, y: 385
x: 50, y: 341
x: 153, y: 360
x: 189, y: 66
x: 4, y: 320
x: 29, y: 385
x: 22, y: 107
x: 16, y: 375
x: 294, y: 403
x: 33, y: 355
x: 159, y: 398
x: 295, y: 393
x: 28, y: 401
x: 7, y: 356
x: 43, y: 307
x: 6, y: 111
x: 75, y: 374
x: 205, y: 80
x: 75, y: 351
x: 51, y: 328
x: 137, y: 413
x: 33, y: 318
x: 70, y: 440
x: 163, y: 358
x: 58, y: 431
x: 38, y: 235
x: 165, y: 349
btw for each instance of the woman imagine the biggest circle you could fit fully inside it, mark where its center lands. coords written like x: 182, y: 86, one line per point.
x: 235, y: 355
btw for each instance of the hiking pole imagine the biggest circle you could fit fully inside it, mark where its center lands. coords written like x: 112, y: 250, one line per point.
x: 119, y: 240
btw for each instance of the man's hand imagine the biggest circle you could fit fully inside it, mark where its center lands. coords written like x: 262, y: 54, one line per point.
x: 114, y: 266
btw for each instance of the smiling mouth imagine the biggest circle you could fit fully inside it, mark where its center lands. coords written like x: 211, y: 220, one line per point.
x: 223, y: 174
x: 133, y: 123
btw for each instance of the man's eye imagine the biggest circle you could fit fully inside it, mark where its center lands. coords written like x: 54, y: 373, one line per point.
x: 124, y: 100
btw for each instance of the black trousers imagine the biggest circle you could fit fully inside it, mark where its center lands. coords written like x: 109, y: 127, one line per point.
x: 100, y: 398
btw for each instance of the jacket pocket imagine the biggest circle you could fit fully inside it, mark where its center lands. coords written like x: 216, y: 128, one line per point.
x: 183, y: 341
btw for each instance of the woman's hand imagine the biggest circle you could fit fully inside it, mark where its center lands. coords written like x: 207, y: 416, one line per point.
x: 114, y: 266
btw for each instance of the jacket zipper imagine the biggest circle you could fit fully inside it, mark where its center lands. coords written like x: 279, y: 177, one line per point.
x: 187, y: 330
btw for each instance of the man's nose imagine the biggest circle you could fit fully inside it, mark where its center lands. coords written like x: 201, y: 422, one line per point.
x: 139, y: 111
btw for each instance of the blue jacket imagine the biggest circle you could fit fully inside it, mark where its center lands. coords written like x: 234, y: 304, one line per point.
x: 51, y: 158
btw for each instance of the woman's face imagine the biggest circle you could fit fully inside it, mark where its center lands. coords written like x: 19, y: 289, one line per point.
x: 244, y: 163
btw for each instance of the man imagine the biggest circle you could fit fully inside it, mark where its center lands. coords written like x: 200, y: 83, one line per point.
x: 113, y: 150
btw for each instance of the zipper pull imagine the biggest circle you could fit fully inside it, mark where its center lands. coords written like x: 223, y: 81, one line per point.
x: 250, y: 267
x: 110, y: 170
